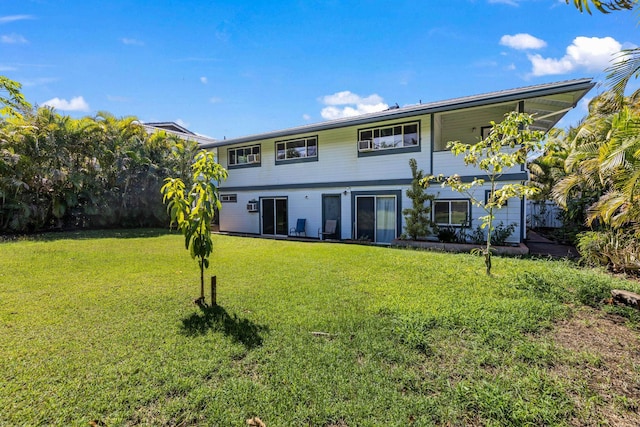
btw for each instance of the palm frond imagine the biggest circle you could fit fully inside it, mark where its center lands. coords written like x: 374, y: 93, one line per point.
x: 626, y: 66
x: 604, y: 6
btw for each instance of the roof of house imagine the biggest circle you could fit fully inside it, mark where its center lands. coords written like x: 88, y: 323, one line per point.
x: 577, y: 88
x: 173, y: 126
x: 176, y: 129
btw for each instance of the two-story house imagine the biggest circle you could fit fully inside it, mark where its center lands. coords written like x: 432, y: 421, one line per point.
x: 356, y: 170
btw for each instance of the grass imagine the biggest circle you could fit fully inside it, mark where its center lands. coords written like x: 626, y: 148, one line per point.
x: 101, y: 326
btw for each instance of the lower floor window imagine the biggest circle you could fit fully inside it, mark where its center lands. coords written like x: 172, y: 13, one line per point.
x: 451, y: 212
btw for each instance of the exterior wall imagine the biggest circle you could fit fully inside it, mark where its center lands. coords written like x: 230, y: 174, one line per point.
x: 338, y: 162
x: 464, y: 126
x: 340, y: 169
x: 307, y: 204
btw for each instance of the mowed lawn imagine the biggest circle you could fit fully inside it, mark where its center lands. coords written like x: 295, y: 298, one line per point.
x: 101, y: 327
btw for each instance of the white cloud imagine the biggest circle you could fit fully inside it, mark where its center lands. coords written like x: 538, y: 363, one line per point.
x: 215, y: 100
x: 507, y: 2
x: 7, y: 68
x: 350, y: 104
x: 522, y: 41
x: 588, y: 53
x: 13, y: 18
x: 132, y: 42
x: 306, y: 117
x: 13, y: 39
x: 347, y: 97
x: 76, y: 104
x: 38, y: 81
x: 204, y: 80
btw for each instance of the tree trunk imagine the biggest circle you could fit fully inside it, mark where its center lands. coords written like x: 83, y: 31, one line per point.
x: 202, y: 280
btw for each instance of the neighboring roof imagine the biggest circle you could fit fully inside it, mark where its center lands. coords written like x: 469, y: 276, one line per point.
x: 176, y: 129
x: 172, y: 126
x: 578, y: 88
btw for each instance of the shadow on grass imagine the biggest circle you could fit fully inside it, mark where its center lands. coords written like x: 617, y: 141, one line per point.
x: 217, y: 319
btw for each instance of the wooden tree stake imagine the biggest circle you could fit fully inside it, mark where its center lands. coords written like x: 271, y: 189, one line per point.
x: 213, y: 291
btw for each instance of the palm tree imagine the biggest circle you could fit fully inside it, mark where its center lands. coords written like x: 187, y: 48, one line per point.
x: 603, y: 167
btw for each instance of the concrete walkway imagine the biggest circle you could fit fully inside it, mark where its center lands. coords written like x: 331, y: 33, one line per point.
x: 541, y: 246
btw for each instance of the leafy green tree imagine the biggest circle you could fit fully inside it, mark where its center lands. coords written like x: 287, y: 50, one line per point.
x: 417, y: 217
x: 102, y: 171
x: 508, y: 145
x: 548, y: 168
x: 603, y: 166
x: 12, y: 101
x: 193, y: 212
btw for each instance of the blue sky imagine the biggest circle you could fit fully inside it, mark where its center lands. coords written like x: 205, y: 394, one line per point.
x: 234, y: 68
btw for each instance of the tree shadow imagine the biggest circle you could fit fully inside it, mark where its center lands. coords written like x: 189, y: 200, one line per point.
x: 217, y: 319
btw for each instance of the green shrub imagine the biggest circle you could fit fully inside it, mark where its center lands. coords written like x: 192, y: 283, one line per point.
x: 452, y: 235
x: 498, y: 237
x: 615, y: 249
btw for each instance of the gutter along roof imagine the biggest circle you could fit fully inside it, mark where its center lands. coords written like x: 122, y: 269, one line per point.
x: 580, y: 86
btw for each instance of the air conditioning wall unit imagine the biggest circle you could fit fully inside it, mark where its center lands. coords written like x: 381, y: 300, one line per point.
x: 253, y: 158
x: 365, y: 145
x: 252, y: 206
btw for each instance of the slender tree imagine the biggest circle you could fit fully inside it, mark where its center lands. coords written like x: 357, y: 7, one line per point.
x: 193, y: 212
x: 417, y: 217
x: 508, y: 145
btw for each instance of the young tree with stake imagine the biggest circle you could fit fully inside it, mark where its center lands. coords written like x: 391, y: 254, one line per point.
x: 193, y: 212
x: 509, y: 144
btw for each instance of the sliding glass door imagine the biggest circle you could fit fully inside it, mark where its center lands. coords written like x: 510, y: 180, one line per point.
x: 376, y: 218
x: 274, y: 216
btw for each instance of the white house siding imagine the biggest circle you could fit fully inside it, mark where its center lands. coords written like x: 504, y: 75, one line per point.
x: 464, y: 126
x: 338, y: 160
x: 303, y: 203
x: 340, y: 169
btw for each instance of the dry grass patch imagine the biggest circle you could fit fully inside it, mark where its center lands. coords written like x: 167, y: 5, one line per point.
x: 606, y: 372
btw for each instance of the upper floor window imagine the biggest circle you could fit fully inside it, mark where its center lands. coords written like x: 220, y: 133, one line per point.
x: 397, y: 136
x: 300, y: 150
x: 244, y: 156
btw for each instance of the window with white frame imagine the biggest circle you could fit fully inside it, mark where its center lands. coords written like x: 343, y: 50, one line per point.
x: 451, y: 212
x: 301, y: 149
x: 229, y: 198
x: 402, y: 135
x: 244, y: 156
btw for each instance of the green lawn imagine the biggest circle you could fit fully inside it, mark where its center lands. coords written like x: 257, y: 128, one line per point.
x: 102, y: 326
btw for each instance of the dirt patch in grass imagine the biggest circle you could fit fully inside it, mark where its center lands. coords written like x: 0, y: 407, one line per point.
x: 603, y: 369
